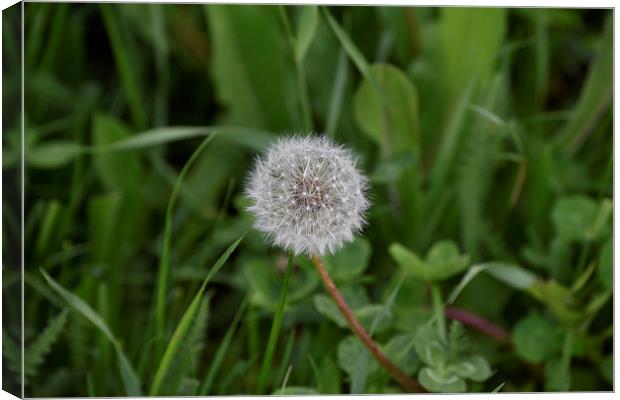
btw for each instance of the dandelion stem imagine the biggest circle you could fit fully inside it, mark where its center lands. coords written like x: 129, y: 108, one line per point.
x: 402, y: 378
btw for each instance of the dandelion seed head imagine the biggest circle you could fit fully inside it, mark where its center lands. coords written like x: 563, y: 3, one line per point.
x: 315, y: 203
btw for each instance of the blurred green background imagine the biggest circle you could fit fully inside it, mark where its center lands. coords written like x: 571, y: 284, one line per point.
x: 486, y: 134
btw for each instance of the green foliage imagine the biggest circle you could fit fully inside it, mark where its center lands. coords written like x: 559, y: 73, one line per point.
x: 579, y: 218
x: 36, y: 351
x: 350, y: 262
x: 447, y: 364
x: 486, y: 134
x: 536, y: 338
x: 442, y: 261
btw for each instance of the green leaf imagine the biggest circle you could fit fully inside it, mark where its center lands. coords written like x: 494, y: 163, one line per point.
x: 308, y: 21
x: 52, y: 154
x: 37, y: 350
x: 130, y: 379
x: 574, y: 216
x: 349, y: 262
x: 444, y: 260
x: 440, y: 381
x: 117, y: 171
x: 253, y: 139
x: 429, y: 347
x: 469, y: 41
x: 266, y: 283
x: 409, y: 261
x: 475, y: 368
x: 605, y: 271
x: 558, y: 298
x: 366, y: 315
x: 400, y: 349
x: 349, y: 350
x: 356, y: 299
x: 536, y: 339
x: 326, y: 307
x: 511, y: 275
x: 389, y: 114
x: 253, y: 91
x: 186, y: 321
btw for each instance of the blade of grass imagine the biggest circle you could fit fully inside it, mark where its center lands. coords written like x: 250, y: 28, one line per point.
x: 273, y: 334
x: 164, y: 265
x: 299, y: 46
x: 128, y: 74
x: 337, y: 96
x: 53, y: 43
x: 354, y: 53
x: 286, y: 356
x: 237, y: 370
x: 131, y: 381
x: 186, y: 321
x: 285, y: 381
x: 34, y: 36
x: 207, y: 383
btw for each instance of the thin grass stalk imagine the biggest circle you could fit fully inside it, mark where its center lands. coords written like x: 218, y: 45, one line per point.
x: 275, y: 330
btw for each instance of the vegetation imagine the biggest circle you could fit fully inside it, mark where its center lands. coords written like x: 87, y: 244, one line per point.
x: 486, y: 263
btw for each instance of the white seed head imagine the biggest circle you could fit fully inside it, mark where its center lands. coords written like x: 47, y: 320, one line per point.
x: 307, y: 195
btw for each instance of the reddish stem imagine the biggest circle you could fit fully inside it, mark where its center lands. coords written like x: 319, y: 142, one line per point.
x: 477, y: 322
x: 402, y: 378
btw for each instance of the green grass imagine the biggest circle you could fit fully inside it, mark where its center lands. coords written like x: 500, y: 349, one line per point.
x: 486, y: 135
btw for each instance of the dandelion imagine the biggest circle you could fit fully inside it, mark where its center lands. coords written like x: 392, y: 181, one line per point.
x: 308, y: 197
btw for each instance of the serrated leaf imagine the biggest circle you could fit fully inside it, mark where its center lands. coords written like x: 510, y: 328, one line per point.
x: 37, y: 350
x: 536, y: 338
x: 185, y: 322
x: 349, y: 262
x: 475, y: 368
x: 441, y: 381
x: 131, y: 382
